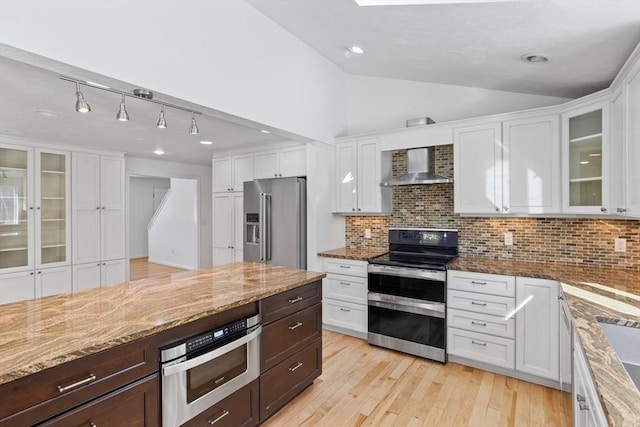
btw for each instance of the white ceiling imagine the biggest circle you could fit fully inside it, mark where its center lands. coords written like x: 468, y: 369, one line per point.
x: 475, y: 44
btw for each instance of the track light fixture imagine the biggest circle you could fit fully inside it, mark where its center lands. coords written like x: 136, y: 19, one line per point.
x: 122, y: 115
x: 193, y: 128
x: 161, y: 123
x: 82, y: 106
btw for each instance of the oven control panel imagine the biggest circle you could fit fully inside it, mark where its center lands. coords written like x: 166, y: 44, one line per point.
x: 216, y: 335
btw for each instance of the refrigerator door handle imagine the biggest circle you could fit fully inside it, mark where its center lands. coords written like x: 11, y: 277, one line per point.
x: 267, y: 239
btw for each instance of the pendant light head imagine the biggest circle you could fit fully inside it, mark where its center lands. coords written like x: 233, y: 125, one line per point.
x: 161, y: 123
x: 81, y: 105
x: 193, y: 128
x: 122, y: 115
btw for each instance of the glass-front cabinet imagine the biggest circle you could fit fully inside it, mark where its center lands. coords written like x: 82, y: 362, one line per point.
x: 586, y: 157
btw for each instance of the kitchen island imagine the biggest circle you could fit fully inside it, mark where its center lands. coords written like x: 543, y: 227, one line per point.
x: 44, y: 334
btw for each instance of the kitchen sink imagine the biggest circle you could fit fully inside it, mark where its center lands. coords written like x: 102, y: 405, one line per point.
x: 626, y: 343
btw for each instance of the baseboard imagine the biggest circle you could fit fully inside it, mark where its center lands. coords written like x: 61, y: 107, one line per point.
x: 170, y: 264
x: 344, y: 331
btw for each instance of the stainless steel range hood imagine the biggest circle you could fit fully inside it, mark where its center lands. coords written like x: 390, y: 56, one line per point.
x: 420, y: 163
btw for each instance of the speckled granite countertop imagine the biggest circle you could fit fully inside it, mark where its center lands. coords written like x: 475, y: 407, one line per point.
x: 592, y: 294
x: 43, y: 333
x: 358, y: 254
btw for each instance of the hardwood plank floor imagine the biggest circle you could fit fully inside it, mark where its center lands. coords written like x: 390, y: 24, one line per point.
x: 363, y: 385
x: 139, y: 268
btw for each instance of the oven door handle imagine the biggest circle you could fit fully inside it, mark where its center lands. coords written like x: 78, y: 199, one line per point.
x: 412, y: 273
x: 433, y: 309
x: 192, y: 363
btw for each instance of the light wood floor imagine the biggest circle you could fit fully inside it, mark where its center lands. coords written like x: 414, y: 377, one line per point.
x: 363, y: 385
x: 139, y: 268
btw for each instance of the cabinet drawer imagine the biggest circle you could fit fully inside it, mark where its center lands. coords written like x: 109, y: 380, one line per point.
x: 481, y: 347
x: 480, y: 303
x: 284, y: 337
x: 491, y: 284
x: 483, y: 323
x: 55, y: 390
x: 238, y: 410
x: 287, y: 379
x: 278, y: 306
x: 134, y: 405
x: 346, y: 288
x: 345, y: 315
x: 347, y: 267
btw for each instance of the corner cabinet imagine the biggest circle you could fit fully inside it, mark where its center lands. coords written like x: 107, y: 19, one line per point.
x: 360, y: 168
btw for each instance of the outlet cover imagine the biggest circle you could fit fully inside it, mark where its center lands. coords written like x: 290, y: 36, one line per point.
x: 367, y: 233
x: 620, y: 245
x: 508, y: 239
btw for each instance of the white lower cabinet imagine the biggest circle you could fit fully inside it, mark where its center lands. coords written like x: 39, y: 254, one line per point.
x: 51, y: 281
x: 17, y: 287
x: 587, y: 410
x: 94, y: 275
x: 481, y: 347
x: 344, y: 293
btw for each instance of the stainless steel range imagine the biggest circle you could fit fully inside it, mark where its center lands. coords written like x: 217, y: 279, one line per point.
x: 407, y: 292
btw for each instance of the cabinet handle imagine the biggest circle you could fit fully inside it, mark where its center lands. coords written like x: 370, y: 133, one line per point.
x: 623, y: 210
x: 87, y: 380
x: 603, y: 209
x: 296, y: 366
x: 483, y: 344
x: 93, y: 425
x: 582, y: 402
x: 345, y: 266
x: 295, y: 300
x: 473, y: 322
x: 473, y: 282
x: 296, y: 326
x: 39, y: 272
x: 219, y: 417
x: 560, y: 297
x: 345, y: 283
x: 482, y: 304
x: 344, y: 309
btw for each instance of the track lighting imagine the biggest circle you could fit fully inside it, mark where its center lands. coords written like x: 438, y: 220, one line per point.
x: 161, y: 123
x: 122, y: 115
x: 193, y: 128
x: 81, y: 105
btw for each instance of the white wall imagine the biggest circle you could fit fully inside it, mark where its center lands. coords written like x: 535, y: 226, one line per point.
x: 141, y: 209
x: 376, y: 104
x: 173, y: 237
x: 157, y: 168
x: 221, y: 54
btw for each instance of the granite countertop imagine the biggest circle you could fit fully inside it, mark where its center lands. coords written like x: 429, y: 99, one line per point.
x: 592, y: 294
x: 358, y: 254
x: 46, y: 332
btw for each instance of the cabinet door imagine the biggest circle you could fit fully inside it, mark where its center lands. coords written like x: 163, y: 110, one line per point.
x: 112, y: 199
x: 293, y: 161
x: 221, y: 172
x: 478, y: 168
x: 368, y: 176
x: 52, y: 281
x: 242, y: 171
x: 86, y: 207
x: 223, y: 228
x: 16, y: 208
x: 86, y: 276
x: 618, y: 153
x: 265, y: 164
x: 565, y: 347
x: 17, y: 287
x: 633, y: 143
x: 346, y: 197
x: 531, y: 165
x: 537, y: 325
x: 112, y: 272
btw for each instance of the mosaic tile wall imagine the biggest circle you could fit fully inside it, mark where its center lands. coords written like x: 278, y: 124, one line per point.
x: 585, y: 241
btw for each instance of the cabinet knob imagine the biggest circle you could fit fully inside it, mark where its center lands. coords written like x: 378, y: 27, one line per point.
x: 497, y: 209
x: 31, y: 274
x: 603, y: 209
x: 275, y: 174
x: 505, y: 208
x: 104, y: 207
x: 30, y: 208
x: 39, y: 272
x: 98, y: 264
x: 98, y: 208
x: 623, y: 210
x: 353, y: 209
x: 280, y: 174
x: 359, y: 209
x: 38, y: 208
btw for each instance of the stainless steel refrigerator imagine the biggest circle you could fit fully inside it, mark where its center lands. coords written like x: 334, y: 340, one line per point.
x: 275, y: 221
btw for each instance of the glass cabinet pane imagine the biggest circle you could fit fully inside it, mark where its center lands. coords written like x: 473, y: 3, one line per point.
x: 52, y: 208
x: 14, y: 209
x: 585, y: 159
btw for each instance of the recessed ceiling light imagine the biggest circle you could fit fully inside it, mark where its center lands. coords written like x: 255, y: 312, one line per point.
x: 206, y: 142
x: 534, y: 58
x: 158, y: 152
x: 355, y: 49
x: 97, y: 84
x: 264, y: 131
x: 584, y: 162
x: 594, y: 155
x: 47, y: 113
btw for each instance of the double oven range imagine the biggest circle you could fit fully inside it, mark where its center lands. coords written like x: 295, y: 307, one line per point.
x: 407, y: 292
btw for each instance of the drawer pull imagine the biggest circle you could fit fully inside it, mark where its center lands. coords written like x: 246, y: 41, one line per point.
x: 296, y: 326
x: 582, y: 402
x: 474, y: 282
x: 345, y: 266
x: 344, y: 309
x: 219, y: 417
x: 296, y: 366
x: 93, y: 425
x: 483, y: 344
x: 483, y: 304
x: 473, y: 322
x: 219, y: 380
x: 87, y: 380
x: 295, y: 300
x: 345, y: 283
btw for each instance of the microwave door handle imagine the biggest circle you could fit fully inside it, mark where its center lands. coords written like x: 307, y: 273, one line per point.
x: 192, y: 363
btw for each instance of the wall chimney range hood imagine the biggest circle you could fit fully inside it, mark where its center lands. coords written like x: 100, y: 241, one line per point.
x: 420, y: 163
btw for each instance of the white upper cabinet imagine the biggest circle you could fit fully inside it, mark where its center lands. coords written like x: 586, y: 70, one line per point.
x: 279, y: 163
x: 359, y: 172
x: 585, y: 154
x: 509, y: 167
x: 229, y: 173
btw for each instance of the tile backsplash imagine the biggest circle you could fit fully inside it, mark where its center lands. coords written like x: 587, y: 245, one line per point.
x: 583, y: 241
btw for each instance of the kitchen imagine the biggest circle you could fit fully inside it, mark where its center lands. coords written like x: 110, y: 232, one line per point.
x: 479, y: 235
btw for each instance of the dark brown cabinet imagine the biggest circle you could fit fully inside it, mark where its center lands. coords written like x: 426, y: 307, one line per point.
x: 238, y: 410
